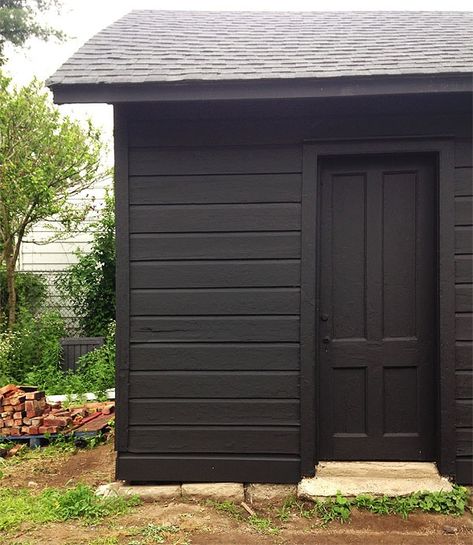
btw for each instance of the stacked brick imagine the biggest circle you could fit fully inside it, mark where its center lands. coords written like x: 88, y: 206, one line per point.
x: 26, y: 412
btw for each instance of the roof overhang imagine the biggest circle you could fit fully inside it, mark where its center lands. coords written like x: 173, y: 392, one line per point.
x: 294, y: 88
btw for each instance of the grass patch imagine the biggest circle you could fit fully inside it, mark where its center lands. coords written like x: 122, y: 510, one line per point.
x: 55, y: 505
x: 339, y: 508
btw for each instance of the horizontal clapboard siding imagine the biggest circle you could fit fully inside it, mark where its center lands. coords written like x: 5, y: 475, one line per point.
x: 214, y: 160
x: 463, y: 239
x: 464, y: 298
x: 215, y: 328
x: 215, y: 384
x: 464, y: 310
x: 215, y: 307
x: 215, y: 439
x: 151, y: 247
x: 463, y: 269
x: 232, y: 412
x: 223, y: 301
x: 215, y: 217
x: 214, y: 356
x: 215, y: 188
x: 223, y: 468
x: 214, y: 273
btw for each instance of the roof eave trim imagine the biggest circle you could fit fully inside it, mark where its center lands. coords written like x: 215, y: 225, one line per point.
x: 261, y: 89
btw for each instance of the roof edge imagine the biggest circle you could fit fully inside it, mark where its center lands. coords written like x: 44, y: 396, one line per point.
x: 262, y: 89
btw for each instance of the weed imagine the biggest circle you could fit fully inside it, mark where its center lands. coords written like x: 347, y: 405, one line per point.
x: 226, y: 506
x: 261, y: 524
x: 111, y: 540
x: 339, y: 508
x: 157, y: 533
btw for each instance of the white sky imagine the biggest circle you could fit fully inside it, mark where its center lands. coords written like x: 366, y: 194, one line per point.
x: 81, y: 19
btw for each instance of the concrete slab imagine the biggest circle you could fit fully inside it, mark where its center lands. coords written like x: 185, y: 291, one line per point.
x: 215, y: 491
x: 148, y: 493
x: 376, y: 478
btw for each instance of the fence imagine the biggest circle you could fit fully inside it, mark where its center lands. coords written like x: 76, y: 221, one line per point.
x: 75, y: 347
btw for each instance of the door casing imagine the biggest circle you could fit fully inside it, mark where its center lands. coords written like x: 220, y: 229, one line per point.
x: 313, y: 152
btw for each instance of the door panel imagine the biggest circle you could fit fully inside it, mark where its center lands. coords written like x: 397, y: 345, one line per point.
x: 377, y: 293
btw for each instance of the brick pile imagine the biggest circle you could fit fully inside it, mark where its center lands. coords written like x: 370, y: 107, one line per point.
x: 26, y: 412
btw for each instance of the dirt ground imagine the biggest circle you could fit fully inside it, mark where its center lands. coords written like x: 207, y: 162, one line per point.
x: 200, y: 524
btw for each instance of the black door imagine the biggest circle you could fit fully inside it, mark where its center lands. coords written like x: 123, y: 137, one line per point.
x: 377, y: 301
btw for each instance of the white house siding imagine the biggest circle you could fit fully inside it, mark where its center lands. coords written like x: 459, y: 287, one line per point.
x: 52, y: 258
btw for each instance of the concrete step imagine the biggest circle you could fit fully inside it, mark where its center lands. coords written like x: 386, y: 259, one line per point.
x: 376, y: 478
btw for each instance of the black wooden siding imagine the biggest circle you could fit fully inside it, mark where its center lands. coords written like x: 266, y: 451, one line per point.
x: 214, y: 276
x: 464, y: 309
x: 214, y: 305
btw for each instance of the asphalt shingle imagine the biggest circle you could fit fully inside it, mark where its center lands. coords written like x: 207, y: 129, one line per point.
x: 166, y: 46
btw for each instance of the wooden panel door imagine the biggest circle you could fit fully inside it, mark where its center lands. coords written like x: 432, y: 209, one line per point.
x: 377, y: 302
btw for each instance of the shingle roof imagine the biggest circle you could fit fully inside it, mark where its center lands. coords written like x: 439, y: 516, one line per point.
x: 166, y: 46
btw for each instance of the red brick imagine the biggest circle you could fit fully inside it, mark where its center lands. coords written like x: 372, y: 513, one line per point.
x: 15, y: 431
x: 8, y: 389
x: 18, y: 422
x: 8, y: 422
x: 58, y: 421
x: 47, y: 429
x: 8, y: 409
x: 33, y: 430
x: 16, y: 400
x: 35, y: 395
x: 37, y: 421
x: 108, y: 409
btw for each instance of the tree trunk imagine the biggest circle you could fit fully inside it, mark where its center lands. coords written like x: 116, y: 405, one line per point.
x: 11, y: 285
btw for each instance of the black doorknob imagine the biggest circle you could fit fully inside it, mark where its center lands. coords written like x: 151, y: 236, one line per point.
x: 326, y: 340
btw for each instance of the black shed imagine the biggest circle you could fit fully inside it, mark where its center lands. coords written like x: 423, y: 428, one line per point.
x: 294, y: 221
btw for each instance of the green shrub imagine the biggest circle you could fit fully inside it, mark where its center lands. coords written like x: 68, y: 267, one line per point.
x: 90, y: 283
x: 95, y: 372
x: 97, y: 368
x: 31, y: 290
x: 32, y: 347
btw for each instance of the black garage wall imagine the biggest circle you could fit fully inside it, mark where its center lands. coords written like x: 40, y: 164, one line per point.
x: 464, y: 309
x: 210, y: 379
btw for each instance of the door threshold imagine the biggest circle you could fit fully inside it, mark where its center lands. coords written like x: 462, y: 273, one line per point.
x: 375, y: 478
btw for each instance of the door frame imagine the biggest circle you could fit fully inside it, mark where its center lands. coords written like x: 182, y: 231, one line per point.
x: 442, y: 149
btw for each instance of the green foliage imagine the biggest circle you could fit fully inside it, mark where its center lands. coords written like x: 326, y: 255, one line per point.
x: 31, y: 348
x: 97, y: 368
x: 95, y: 372
x: 31, y: 290
x: 447, y: 503
x: 339, y: 508
x: 19, y: 20
x: 31, y: 354
x: 90, y: 283
x: 55, y: 505
x: 45, y: 159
